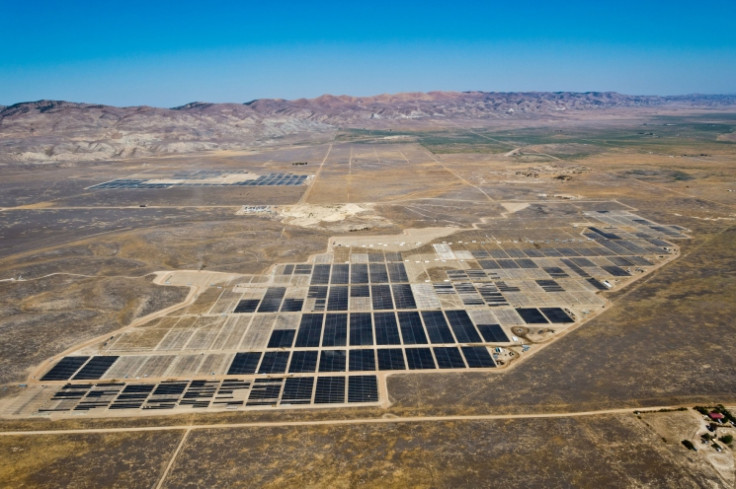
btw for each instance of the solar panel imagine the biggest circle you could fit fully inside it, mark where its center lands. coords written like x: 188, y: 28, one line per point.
x: 507, y: 263
x: 376, y: 257
x: 332, y: 361
x: 411, y: 328
x: 391, y: 359
x: 65, y: 368
x: 403, y: 296
x: 359, y: 273
x: 463, y: 327
x: 419, y: 358
x: 292, y: 305
x: 448, y: 357
x: 387, y: 331
x: 437, y: 327
x: 317, y: 292
x: 298, y: 390
x: 303, y: 361
x: 361, y: 329
x: 274, y: 362
x: 170, y: 388
x: 340, y: 273
x: 556, y: 315
x: 379, y: 275
x: 264, y: 392
x: 360, y: 291
x: 361, y: 360
x: 95, y: 368
x: 616, y: 271
x: 310, y: 330
x: 244, y: 363
x: 381, y: 297
x: 493, y: 333
x: 281, y: 338
x: 526, y: 263
x: 247, y: 305
x: 362, y: 388
x: 397, y: 272
x: 336, y: 330
x: 338, y: 298
x: 272, y: 300
x: 321, y: 274
x: 478, y: 357
x: 489, y: 264
x: 330, y: 390
x: 582, y: 262
x: 531, y: 315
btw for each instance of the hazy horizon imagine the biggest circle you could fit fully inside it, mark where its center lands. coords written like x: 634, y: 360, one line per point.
x: 169, y: 54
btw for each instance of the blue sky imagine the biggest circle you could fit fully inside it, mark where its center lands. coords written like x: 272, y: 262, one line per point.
x: 170, y: 53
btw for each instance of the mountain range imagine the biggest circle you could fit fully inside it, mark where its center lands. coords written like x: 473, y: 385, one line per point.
x: 59, y: 131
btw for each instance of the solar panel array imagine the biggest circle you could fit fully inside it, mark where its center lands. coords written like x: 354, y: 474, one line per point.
x: 270, y: 179
x: 228, y: 393
x: 322, y: 332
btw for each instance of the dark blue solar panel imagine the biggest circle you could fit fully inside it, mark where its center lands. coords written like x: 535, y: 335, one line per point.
x: 247, y: 305
x: 65, y: 368
x: 340, y: 273
x: 381, y: 296
x: 281, y: 338
x: 338, y: 298
x: 463, y: 327
x: 411, y: 328
x: 336, y: 330
x: 448, y: 357
x: 387, y: 332
x: 362, y: 388
x: 292, y: 305
x: 359, y: 273
x: 274, y: 362
x: 507, y: 263
x: 419, y: 358
x: 379, y: 275
x: 437, y: 328
x: 95, y: 368
x: 556, y: 315
x: 361, y: 329
x: 478, y: 357
x: 403, y: 296
x: 493, y: 333
x: 303, y: 361
x: 397, y: 272
x: 489, y: 264
x: 321, y: 274
x: 298, y: 390
x: 361, y: 360
x: 391, y: 359
x: 531, y: 315
x: 526, y: 263
x: 317, y: 292
x: 244, y: 363
x: 360, y: 291
x: 310, y: 330
x: 332, y: 361
x: 330, y: 390
x: 272, y: 300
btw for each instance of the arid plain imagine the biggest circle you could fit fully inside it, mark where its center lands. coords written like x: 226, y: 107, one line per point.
x: 565, y: 354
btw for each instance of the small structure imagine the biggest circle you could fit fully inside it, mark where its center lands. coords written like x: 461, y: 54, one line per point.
x: 716, y: 416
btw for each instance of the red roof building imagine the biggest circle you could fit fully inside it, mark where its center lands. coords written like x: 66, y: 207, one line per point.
x: 716, y: 416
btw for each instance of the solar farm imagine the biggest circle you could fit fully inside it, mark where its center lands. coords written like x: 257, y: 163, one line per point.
x: 329, y: 331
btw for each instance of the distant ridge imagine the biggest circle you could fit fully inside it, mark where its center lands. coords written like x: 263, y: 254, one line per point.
x: 49, y: 130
